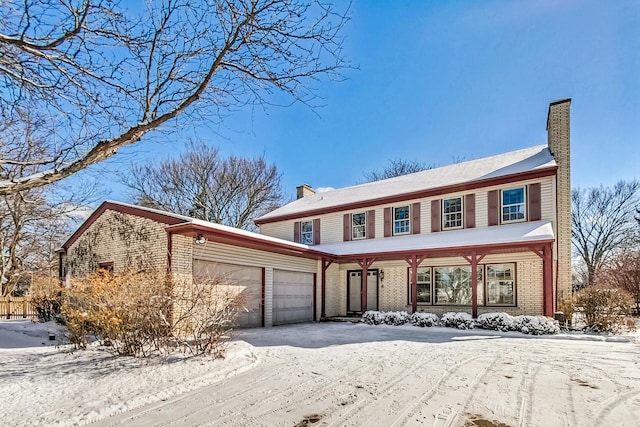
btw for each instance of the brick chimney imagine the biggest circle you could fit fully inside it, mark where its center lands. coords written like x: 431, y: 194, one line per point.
x: 559, y: 141
x: 304, y: 190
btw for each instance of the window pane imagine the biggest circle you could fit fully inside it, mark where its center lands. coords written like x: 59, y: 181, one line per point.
x: 452, y: 213
x: 453, y: 285
x: 501, y: 284
x: 358, y: 225
x: 423, y: 288
x: 513, y: 204
x: 401, y: 220
x: 306, y: 232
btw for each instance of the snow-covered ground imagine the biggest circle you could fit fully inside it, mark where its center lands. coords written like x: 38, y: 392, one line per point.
x: 333, y: 373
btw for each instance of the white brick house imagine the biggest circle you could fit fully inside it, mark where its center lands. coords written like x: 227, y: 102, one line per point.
x: 491, y: 234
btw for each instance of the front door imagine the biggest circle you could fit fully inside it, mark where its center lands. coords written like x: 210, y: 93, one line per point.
x: 354, y: 290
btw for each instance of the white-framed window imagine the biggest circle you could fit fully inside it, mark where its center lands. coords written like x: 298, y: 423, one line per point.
x: 423, y: 285
x: 401, y: 221
x: 501, y: 285
x: 359, y: 225
x: 452, y: 213
x: 306, y: 232
x: 452, y: 285
x: 513, y: 205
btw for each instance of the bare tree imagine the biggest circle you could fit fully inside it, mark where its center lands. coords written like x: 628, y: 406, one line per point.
x: 33, y: 222
x: 602, y: 223
x: 397, y: 167
x: 103, y: 77
x: 201, y: 184
x: 624, y: 272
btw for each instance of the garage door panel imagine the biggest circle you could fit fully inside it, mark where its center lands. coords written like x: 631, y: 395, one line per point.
x: 245, y: 280
x: 292, y: 297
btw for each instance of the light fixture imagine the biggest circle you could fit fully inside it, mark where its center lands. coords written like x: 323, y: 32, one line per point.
x: 200, y: 240
x: 381, y: 274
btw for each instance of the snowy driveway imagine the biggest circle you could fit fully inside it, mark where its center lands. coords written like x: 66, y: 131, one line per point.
x: 338, y: 374
x: 344, y: 374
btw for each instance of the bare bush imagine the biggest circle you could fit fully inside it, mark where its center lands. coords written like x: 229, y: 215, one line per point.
x: 604, y: 309
x: 140, y: 314
x: 45, y: 294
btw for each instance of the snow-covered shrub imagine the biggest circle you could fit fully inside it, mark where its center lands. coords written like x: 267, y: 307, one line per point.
x: 535, y: 325
x: 372, y: 317
x: 396, y: 318
x: 495, y: 321
x: 457, y: 320
x: 424, y: 319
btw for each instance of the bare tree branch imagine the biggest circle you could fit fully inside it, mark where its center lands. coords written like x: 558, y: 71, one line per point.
x: 104, y: 78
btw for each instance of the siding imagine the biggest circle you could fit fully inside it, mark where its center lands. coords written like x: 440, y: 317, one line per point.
x: 218, y: 252
x: 129, y: 241
x: 332, y: 224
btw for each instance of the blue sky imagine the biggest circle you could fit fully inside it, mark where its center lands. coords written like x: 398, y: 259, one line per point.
x: 443, y: 81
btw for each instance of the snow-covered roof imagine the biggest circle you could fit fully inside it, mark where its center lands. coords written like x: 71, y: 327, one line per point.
x: 514, y: 162
x: 524, y: 232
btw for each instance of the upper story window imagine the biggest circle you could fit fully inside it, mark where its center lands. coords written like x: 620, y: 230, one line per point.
x: 401, y: 221
x: 513, y: 205
x: 306, y: 232
x: 359, y: 225
x: 452, y: 213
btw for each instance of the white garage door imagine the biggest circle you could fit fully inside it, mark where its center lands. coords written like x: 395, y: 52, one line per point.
x: 246, y: 280
x: 292, y: 297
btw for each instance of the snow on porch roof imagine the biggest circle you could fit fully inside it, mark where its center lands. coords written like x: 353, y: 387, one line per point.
x: 514, y: 162
x: 526, y: 232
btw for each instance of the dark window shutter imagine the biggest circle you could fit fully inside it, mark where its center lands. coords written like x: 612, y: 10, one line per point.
x: 535, y: 208
x: 316, y: 231
x: 470, y: 211
x: 371, y: 224
x: 435, y: 216
x: 346, y: 227
x: 296, y: 231
x: 387, y: 222
x: 493, y: 207
x: 415, y: 218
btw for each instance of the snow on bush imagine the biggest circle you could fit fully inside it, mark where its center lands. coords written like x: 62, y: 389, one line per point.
x: 495, y: 321
x: 394, y: 318
x: 457, y: 320
x: 424, y: 319
x: 535, y: 325
x: 372, y: 317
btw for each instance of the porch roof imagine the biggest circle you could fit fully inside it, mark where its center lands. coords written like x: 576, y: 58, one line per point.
x: 485, y: 238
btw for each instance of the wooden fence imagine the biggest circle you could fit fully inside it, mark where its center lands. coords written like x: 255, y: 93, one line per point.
x: 16, y: 307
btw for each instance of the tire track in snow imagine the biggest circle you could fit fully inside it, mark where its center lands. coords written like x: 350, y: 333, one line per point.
x: 609, y: 405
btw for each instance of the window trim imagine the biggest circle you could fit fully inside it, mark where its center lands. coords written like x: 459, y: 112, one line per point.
x: 363, y: 226
x: 394, y: 220
x: 514, y: 280
x: 524, y: 205
x: 444, y: 214
x: 303, y: 233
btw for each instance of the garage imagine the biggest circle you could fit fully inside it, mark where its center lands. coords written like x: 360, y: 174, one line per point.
x: 247, y: 280
x: 292, y: 297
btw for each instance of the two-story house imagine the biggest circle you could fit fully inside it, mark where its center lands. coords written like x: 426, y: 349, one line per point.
x: 492, y: 234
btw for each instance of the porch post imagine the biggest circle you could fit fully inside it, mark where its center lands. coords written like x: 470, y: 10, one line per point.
x: 474, y: 284
x: 547, y: 267
x: 363, y: 281
x: 414, y: 283
x: 325, y: 265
